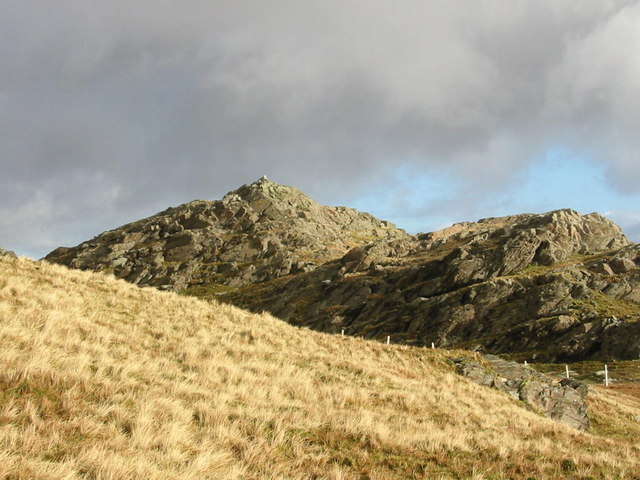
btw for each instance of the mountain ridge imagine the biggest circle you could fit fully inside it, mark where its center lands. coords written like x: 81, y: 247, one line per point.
x: 553, y: 286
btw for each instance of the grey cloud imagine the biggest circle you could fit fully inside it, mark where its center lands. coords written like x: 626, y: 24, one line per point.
x: 632, y: 231
x: 111, y: 109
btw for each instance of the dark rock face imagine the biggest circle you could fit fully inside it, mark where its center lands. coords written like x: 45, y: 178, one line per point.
x: 530, y: 284
x: 259, y: 232
x: 7, y: 253
x: 564, y: 401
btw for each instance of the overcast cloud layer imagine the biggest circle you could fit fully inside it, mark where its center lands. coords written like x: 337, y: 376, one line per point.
x: 114, y: 110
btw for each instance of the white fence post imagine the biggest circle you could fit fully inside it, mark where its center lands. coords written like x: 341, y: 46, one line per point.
x: 388, y: 339
x: 433, y: 345
x: 566, y: 369
x: 525, y: 363
x: 343, y: 332
x: 606, y: 376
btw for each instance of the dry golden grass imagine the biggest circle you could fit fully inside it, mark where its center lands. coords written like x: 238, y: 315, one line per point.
x: 102, y: 380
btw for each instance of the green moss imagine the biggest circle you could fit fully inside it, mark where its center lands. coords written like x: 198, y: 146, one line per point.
x: 607, y: 306
x: 208, y: 291
x: 535, y: 269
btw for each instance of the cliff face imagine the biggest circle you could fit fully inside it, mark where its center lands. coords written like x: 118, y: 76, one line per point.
x: 258, y: 232
x: 554, y: 286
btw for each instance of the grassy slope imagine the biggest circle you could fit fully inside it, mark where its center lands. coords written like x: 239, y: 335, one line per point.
x: 102, y: 380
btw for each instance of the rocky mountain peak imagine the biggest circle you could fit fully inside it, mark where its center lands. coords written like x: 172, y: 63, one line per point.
x: 263, y: 187
x: 513, y: 242
x: 257, y: 232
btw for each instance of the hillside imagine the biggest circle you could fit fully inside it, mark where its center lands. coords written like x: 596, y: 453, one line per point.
x: 100, y: 379
x: 258, y: 232
x: 554, y: 287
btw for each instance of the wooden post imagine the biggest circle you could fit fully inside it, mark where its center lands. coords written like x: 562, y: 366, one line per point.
x: 566, y: 369
x: 606, y: 376
x: 388, y: 339
x: 343, y: 332
x: 433, y: 345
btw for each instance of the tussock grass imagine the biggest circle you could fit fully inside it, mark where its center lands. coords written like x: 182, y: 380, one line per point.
x: 100, y: 379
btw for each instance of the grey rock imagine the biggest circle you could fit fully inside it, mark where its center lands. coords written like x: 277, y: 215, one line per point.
x: 581, y: 388
x: 622, y: 265
x: 120, y: 262
x: 564, y: 323
x: 603, y: 268
x: 474, y: 372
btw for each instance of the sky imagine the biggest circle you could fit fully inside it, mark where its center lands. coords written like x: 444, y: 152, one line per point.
x: 421, y: 112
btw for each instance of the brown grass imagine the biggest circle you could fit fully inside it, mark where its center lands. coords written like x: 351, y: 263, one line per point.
x: 102, y: 380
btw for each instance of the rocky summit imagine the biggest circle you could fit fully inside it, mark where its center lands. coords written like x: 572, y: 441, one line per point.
x: 258, y: 232
x: 551, y: 287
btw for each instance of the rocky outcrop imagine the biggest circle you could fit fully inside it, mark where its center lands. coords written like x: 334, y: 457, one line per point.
x: 564, y: 400
x: 258, y: 232
x: 555, y: 286
x: 7, y: 253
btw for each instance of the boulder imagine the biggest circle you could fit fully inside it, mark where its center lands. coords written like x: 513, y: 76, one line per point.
x: 603, y: 268
x: 622, y: 265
